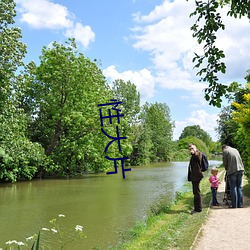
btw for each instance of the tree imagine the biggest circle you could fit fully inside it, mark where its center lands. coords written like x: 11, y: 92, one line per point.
x: 233, y: 123
x: 157, y: 122
x: 196, y: 131
x: 227, y: 127
x: 64, y: 93
x: 12, y: 50
x: 130, y: 97
x: 20, y: 158
x: 229, y: 130
x: 208, y: 23
x: 184, y: 142
x: 242, y: 117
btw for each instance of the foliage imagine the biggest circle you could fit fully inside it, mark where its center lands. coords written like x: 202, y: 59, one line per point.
x: 20, y: 157
x: 181, y: 154
x: 227, y: 127
x: 196, y: 131
x: 215, y: 148
x: 12, y: 50
x: 156, y: 120
x: 201, y: 146
x: 142, y: 145
x: 130, y: 97
x: 233, y: 124
x: 127, y: 93
x: 241, y: 115
x: 64, y: 93
x: 205, y: 28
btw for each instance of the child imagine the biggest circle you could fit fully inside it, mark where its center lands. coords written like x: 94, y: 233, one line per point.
x: 214, y: 185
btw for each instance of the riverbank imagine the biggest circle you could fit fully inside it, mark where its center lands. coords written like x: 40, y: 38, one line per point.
x: 171, y: 227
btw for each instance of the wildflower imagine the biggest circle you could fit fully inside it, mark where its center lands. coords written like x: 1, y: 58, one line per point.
x: 61, y: 215
x: 54, y: 230
x: 10, y: 242
x: 20, y: 243
x: 45, y: 229
x: 78, y: 228
x: 29, y: 238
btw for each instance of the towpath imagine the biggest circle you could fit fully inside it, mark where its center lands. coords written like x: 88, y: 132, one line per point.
x: 225, y: 228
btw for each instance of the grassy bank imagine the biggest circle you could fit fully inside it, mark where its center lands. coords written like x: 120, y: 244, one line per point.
x: 170, y: 227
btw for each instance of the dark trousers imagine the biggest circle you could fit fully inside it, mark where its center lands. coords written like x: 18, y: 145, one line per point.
x: 214, y: 196
x: 197, y: 196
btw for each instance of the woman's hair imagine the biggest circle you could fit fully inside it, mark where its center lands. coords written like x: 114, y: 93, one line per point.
x: 214, y: 170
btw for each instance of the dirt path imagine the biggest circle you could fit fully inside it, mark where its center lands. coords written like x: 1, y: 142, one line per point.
x: 225, y: 228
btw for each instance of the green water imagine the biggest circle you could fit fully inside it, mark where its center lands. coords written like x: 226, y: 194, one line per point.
x: 105, y: 205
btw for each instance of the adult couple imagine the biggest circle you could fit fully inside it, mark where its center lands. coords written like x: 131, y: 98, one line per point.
x: 235, y: 169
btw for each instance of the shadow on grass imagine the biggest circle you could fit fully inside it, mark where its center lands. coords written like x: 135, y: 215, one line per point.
x: 183, y: 203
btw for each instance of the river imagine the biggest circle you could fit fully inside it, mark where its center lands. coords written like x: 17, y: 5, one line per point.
x: 105, y: 205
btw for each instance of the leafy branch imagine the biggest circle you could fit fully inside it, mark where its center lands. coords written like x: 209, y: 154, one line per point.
x: 210, y: 63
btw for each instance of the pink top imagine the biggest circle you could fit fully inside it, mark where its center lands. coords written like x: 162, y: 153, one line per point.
x: 214, y: 181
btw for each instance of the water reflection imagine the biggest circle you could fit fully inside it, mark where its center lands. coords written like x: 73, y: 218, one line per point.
x: 104, y: 204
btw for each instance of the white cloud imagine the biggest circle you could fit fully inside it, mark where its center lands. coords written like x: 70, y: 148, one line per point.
x: 83, y: 34
x: 143, y: 80
x: 44, y: 14
x: 234, y: 41
x: 165, y: 33
x: 198, y: 117
x: 159, y: 12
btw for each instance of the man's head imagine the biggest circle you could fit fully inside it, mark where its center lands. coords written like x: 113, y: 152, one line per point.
x: 192, y: 148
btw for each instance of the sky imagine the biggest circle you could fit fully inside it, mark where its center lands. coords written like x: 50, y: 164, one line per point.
x: 147, y: 42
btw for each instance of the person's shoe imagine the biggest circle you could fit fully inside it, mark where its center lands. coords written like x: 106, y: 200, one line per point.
x: 194, y: 212
x: 217, y: 204
x: 231, y: 206
x: 241, y: 206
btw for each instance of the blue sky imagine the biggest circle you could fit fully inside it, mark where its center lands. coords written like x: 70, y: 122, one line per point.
x: 148, y: 42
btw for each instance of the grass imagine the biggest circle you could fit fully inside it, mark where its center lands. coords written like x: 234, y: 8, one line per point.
x: 246, y: 188
x: 170, y: 226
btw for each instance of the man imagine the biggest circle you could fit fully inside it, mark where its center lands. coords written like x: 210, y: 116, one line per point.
x: 195, y: 175
x: 235, y: 169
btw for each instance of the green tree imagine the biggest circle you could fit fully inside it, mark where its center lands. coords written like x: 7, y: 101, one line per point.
x: 130, y: 97
x: 183, y: 144
x: 229, y: 130
x: 196, y: 131
x: 142, y: 145
x: 215, y: 148
x: 242, y: 117
x: 157, y: 122
x: 64, y: 93
x: 12, y: 50
x: 227, y: 127
x: 20, y: 158
x: 205, y: 28
x: 233, y: 126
